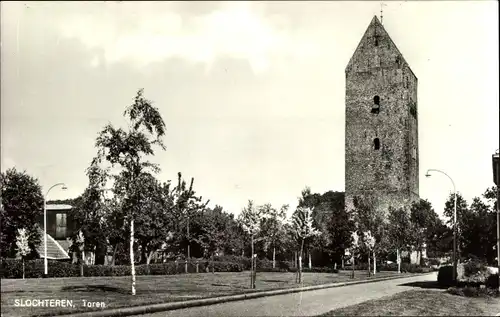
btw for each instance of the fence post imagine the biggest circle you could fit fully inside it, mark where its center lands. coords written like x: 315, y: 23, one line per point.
x: 186, y: 266
x: 197, y: 266
x: 176, y: 268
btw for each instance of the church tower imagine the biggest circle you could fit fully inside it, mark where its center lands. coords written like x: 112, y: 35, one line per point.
x: 381, y: 127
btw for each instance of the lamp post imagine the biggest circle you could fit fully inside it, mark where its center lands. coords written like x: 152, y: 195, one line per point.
x: 454, y: 219
x: 45, y: 262
x: 496, y: 178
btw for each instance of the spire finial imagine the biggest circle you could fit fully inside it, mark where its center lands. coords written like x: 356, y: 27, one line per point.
x: 382, y: 12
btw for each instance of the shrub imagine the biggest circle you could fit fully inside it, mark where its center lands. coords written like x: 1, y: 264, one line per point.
x: 445, y: 276
x: 284, y: 265
x: 388, y: 267
x: 244, y: 261
x: 466, y: 291
x: 470, y: 291
x: 474, y: 267
x: 228, y: 267
x: 472, y: 272
x: 433, y: 261
x: 267, y: 266
x: 360, y: 267
x: 405, y: 268
x: 264, y: 263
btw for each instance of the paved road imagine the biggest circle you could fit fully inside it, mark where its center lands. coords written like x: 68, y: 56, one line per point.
x: 309, y: 303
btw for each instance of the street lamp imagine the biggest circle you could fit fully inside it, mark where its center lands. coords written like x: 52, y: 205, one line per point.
x: 496, y: 178
x: 45, y: 262
x: 454, y: 219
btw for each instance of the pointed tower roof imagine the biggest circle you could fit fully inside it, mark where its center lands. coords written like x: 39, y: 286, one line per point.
x: 376, y: 30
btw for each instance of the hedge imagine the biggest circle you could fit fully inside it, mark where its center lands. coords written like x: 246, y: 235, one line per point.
x: 244, y: 261
x: 263, y: 264
x: 405, y: 267
x: 304, y: 269
x: 11, y: 268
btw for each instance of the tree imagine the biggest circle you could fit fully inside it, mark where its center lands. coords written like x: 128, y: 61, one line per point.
x: 422, y: 219
x: 462, y: 211
x: 21, y: 207
x: 335, y: 224
x: 185, y: 205
x: 491, y: 198
x: 250, y: 219
x: 272, y: 227
x: 309, y: 199
x: 79, y: 242
x: 290, y: 242
x: 490, y: 195
x: 126, y: 150
x: 331, y: 219
x: 116, y: 227
x: 22, y: 244
x: 303, y: 228
x: 353, y: 248
x: 236, y: 237
x: 398, y: 224
x: 89, y: 214
x: 439, y: 240
x: 155, y: 221
x: 371, y: 227
x: 479, y: 231
x: 214, y: 231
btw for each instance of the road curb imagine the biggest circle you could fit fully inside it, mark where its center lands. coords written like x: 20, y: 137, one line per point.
x: 154, y: 308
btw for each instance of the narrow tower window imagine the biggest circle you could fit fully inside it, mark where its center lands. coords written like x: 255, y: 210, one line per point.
x: 376, y: 105
x: 376, y: 144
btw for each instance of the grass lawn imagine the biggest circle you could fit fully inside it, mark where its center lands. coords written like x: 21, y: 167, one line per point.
x: 115, y: 291
x: 423, y: 303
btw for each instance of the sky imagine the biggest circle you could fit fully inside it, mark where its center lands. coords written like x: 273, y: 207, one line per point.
x: 252, y: 94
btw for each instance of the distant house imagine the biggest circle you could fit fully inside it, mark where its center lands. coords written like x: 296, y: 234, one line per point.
x: 60, y: 226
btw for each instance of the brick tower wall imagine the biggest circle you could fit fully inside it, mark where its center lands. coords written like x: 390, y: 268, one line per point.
x: 390, y: 174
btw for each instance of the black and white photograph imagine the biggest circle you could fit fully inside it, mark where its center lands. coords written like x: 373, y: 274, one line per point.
x: 249, y: 158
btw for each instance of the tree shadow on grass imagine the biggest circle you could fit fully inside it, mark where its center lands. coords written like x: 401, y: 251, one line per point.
x: 94, y: 288
x: 229, y: 285
x: 425, y: 285
x: 274, y: 281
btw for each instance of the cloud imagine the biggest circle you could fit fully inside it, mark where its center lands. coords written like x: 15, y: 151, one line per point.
x: 235, y: 29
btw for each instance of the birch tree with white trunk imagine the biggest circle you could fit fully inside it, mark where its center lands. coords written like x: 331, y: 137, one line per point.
x: 370, y: 226
x: 273, y: 227
x: 353, y: 249
x: 303, y: 228
x: 369, y: 242
x: 80, y: 243
x: 22, y: 244
x: 126, y: 151
x: 398, y: 226
x: 250, y: 219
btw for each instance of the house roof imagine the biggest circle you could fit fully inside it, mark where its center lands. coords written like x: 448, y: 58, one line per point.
x: 54, y: 250
x: 58, y: 207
